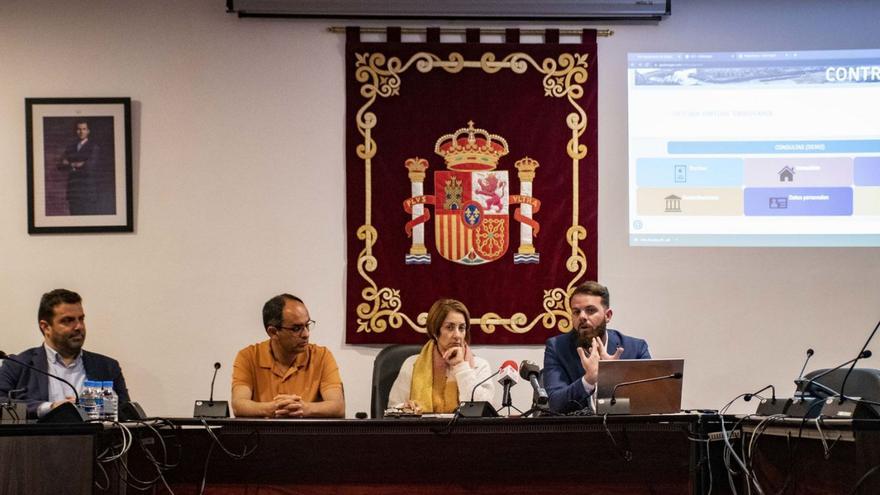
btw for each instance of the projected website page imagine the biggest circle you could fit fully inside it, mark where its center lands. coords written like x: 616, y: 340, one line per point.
x: 754, y: 148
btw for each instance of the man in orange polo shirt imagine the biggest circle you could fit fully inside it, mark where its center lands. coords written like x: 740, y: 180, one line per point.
x: 285, y: 376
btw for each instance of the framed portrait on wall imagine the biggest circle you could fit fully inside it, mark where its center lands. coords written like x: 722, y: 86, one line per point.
x: 79, y: 165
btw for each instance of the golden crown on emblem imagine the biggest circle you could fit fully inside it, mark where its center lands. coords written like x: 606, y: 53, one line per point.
x: 471, y: 149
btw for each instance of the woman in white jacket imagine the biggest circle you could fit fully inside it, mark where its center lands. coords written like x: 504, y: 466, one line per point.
x: 445, y: 372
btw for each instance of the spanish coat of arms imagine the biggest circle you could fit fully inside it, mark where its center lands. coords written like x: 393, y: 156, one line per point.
x: 471, y: 202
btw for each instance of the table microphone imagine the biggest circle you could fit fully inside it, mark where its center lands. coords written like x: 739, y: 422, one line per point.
x: 211, y: 408
x: 674, y: 376
x: 774, y: 406
x: 611, y: 406
x: 748, y: 397
x: 804, y: 408
x: 812, y: 381
x: 478, y: 409
x: 484, y: 380
x: 771, y: 406
x: 66, y: 412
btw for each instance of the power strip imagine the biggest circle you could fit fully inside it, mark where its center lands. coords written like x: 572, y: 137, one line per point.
x: 716, y: 436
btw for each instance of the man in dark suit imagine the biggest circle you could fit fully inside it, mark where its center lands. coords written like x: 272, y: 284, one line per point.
x: 571, y: 360
x: 62, y: 323
x: 80, y: 160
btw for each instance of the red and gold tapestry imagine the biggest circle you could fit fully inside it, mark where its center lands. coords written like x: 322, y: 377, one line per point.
x: 472, y: 174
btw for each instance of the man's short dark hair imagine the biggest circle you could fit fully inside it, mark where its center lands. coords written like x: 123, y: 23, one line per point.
x: 274, y: 308
x: 54, y: 298
x: 593, y: 288
x: 81, y: 121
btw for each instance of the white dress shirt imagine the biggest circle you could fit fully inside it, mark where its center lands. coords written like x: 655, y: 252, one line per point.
x: 75, y: 373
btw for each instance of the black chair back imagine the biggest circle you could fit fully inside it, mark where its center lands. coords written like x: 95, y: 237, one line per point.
x: 386, y: 367
x: 863, y: 383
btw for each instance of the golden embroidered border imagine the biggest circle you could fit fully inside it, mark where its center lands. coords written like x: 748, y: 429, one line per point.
x: 563, y: 78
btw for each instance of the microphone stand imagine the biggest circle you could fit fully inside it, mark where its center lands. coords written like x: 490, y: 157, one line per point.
x: 675, y: 376
x: 213, y: 378
x: 506, y: 398
x: 484, y: 380
x: 509, y: 407
x: 864, y: 347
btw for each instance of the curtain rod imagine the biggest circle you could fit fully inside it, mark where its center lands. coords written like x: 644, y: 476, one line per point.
x: 602, y: 33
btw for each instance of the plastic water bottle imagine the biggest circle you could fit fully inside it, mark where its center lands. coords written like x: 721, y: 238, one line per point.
x: 88, y: 399
x: 99, y: 399
x: 111, y: 402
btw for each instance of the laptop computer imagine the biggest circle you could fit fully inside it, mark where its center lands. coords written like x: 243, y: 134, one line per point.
x: 655, y: 397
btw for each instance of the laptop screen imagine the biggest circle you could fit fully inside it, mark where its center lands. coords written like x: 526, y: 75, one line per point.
x: 660, y: 396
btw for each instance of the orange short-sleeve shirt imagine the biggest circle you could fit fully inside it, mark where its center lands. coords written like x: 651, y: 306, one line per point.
x: 312, y: 374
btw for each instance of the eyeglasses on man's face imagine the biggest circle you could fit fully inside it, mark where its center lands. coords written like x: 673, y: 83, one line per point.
x: 298, y: 329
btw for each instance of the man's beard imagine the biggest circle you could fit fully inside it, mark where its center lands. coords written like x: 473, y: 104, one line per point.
x: 68, y: 346
x: 585, y: 336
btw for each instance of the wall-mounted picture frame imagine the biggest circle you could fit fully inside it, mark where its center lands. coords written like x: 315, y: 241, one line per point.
x: 79, y: 169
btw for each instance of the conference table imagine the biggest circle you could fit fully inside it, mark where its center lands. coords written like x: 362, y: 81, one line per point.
x: 47, y: 458
x: 657, y: 454
x: 827, y: 456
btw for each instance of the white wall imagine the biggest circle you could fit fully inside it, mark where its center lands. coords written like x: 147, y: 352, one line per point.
x: 239, y: 179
